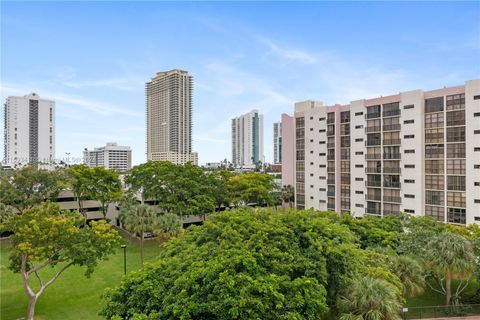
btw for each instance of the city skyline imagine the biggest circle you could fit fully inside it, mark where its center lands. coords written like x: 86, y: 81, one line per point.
x: 239, y: 61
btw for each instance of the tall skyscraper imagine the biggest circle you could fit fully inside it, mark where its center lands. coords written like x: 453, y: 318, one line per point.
x: 247, y: 139
x: 111, y: 156
x: 29, y: 130
x: 416, y: 152
x: 169, y: 117
x: 277, y: 143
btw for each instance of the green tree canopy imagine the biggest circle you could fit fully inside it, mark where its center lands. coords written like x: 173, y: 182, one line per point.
x: 247, y: 264
x: 103, y: 185
x: 251, y: 188
x: 46, y: 236
x: 26, y: 187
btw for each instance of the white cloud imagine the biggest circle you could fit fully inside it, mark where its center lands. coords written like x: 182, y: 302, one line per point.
x: 296, y: 55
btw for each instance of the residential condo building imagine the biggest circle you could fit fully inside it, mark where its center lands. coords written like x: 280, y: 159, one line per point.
x: 277, y: 143
x: 416, y: 152
x: 111, y: 156
x: 247, y: 139
x: 29, y: 130
x: 169, y: 117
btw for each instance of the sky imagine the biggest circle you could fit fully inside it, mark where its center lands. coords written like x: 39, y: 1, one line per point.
x: 93, y: 59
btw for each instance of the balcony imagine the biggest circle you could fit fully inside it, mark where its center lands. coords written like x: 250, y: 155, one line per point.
x: 373, y: 170
x: 330, y: 157
x: 373, y: 197
x: 331, y: 169
x: 370, y: 143
x: 392, y: 199
x: 375, y: 156
x: 391, y: 184
x: 372, y: 115
x: 375, y: 211
x: 391, y: 212
x: 391, y: 113
x: 389, y: 142
x: 374, y: 183
x: 391, y: 127
x: 391, y: 170
x: 345, y: 144
x: 391, y: 156
x: 372, y: 129
x: 331, y: 145
x: 331, y: 194
x: 330, y: 181
x: 330, y: 132
x: 345, y: 180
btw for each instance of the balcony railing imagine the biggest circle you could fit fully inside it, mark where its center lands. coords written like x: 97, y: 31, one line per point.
x: 390, y: 212
x: 372, y: 129
x: 391, y: 156
x: 330, y: 169
x: 391, y: 170
x: 392, y: 199
x: 374, y: 156
x: 345, y: 144
x: 373, y: 197
x: 330, y: 132
x: 391, y: 184
x: 330, y: 181
x: 374, y: 183
x: 373, y: 170
x: 372, y: 115
x: 374, y: 211
x: 331, y: 145
x: 389, y: 142
x: 330, y: 157
x: 345, y: 180
x: 369, y: 143
x: 391, y: 113
x: 331, y: 194
x: 391, y: 127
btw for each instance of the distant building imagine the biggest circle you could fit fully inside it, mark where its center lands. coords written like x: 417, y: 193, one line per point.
x: 112, y: 156
x: 169, y: 117
x: 277, y: 143
x: 288, y: 150
x: 247, y: 139
x: 29, y: 130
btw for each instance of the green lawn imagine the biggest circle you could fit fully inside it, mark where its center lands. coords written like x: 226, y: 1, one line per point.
x: 72, y: 296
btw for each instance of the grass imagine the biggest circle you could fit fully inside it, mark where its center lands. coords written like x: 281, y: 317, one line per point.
x: 72, y: 295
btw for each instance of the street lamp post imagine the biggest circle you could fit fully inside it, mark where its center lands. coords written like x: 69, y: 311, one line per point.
x: 124, y: 246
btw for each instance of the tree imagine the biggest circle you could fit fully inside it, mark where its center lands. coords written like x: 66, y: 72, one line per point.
x: 288, y: 195
x: 370, y: 298
x: 219, y: 181
x: 27, y: 187
x: 411, y: 275
x: 179, y: 189
x: 138, y: 218
x: 450, y: 256
x: 103, y: 185
x: 169, y: 225
x: 243, y: 264
x: 79, y: 176
x: 46, y: 236
x: 251, y: 188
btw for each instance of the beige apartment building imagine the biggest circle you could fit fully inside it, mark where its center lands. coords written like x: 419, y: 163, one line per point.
x: 169, y: 117
x: 416, y: 152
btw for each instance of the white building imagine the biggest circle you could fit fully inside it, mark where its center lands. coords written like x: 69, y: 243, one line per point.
x: 247, y: 139
x: 112, y: 156
x: 29, y: 130
x: 277, y: 143
x: 169, y: 117
x: 416, y: 152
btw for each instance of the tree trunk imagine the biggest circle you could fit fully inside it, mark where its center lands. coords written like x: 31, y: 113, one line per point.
x: 31, y: 307
x: 448, y: 288
x: 141, y: 248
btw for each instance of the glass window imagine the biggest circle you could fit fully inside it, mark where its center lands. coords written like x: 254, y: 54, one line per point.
x: 456, y: 199
x: 456, y: 215
x: 434, y: 104
x: 434, y: 182
x: 437, y: 213
x: 434, y: 197
x: 456, y: 166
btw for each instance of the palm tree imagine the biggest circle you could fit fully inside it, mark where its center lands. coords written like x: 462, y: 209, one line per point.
x: 370, y: 299
x: 138, y: 219
x: 411, y: 274
x: 450, y: 256
x: 288, y: 194
x: 169, y: 225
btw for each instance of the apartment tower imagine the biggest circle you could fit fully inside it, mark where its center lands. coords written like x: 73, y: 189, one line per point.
x: 169, y: 117
x: 111, y: 156
x: 277, y: 143
x: 247, y: 139
x: 416, y: 152
x: 29, y: 130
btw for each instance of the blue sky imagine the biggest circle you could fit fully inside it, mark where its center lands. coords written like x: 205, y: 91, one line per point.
x: 94, y: 58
